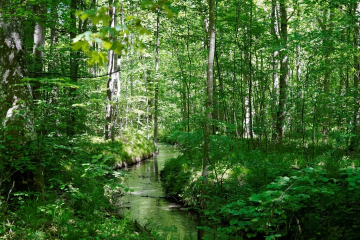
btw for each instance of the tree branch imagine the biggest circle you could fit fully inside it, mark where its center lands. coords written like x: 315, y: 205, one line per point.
x: 62, y: 75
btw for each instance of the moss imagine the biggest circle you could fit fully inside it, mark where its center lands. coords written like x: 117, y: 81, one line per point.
x: 126, y: 150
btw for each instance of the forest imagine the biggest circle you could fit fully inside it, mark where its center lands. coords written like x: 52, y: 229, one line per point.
x: 248, y: 113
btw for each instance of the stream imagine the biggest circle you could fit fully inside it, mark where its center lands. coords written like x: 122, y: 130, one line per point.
x: 147, y: 204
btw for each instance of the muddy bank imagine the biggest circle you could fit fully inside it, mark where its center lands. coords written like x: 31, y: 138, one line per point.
x: 134, y: 160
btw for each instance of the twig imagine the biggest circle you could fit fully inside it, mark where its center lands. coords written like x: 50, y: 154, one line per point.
x: 283, y: 194
x: 158, y: 5
x: 62, y: 75
x: 12, y: 187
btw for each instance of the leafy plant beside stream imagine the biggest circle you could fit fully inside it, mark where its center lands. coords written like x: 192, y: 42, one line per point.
x: 80, y: 197
x: 257, y: 193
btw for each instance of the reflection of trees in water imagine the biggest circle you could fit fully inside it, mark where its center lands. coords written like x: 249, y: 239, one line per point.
x: 148, y: 203
x: 156, y: 169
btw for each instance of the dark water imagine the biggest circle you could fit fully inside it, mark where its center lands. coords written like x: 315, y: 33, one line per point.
x: 147, y: 203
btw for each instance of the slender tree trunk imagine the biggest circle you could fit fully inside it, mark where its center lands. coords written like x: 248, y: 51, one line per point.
x: 275, y: 76
x: 74, y: 65
x: 284, y: 69
x: 156, y: 79
x: 189, y: 78
x: 356, y: 128
x: 118, y: 83
x: 54, y: 39
x: 147, y: 104
x: 109, y: 128
x: 250, y: 80
x: 209, y: 104
x: 222, y: 102
x: 39, y: 39
x: 327, y: 29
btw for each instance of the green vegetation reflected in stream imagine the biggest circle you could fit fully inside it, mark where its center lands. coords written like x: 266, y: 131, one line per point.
x: 148, y: 205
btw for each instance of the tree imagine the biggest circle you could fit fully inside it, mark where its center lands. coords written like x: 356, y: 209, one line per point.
x: 156, y: 113
x: 113, y: 81
x: 356, y: 118
x: 17, y: 123
x: 209, y: 104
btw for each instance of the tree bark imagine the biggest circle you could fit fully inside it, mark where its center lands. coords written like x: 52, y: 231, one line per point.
x: 275, y: 66
x: 39, y: 39
x: 17, y: 123
x: 356, y: 128
x: 74, y: 65
x: 209, y: 104
x: 250, y: 81
x: 109, y: 128
x: 284, y: 69
x: 156, y: 79
x: 16, y: 96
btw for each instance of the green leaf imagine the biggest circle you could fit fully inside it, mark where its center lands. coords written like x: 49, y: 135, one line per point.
x: 83, y: 45
x: 84, y: 16
x: 107, y: 157
x: 77, y: 45
x: 95, y: 20
x: 107, y: 45
x: 78, y: 12
x: 144, y: 31
x: 117, y: 48
x: 233, y: 222
x: 95, y: 57
x: 169, y: 12
x: 255, y: 198
x: 129, y: 18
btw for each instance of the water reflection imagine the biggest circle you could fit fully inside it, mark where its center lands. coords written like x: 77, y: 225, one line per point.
x: 148, y: 205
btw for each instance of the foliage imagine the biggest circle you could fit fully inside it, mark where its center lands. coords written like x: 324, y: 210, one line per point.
x: 130, y: 148
x: 271, y: 194
x: 285, y: 130
x: 79, y: 197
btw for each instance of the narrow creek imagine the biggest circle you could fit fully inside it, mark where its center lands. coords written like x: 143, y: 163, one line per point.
x: 147, y: 204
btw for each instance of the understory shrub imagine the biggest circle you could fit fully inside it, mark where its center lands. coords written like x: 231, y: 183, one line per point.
x: 257, y: 194
x: 80, y: 193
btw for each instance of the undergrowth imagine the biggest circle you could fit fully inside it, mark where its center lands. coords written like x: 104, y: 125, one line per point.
x: 268, y: 194
x: 80, y: 192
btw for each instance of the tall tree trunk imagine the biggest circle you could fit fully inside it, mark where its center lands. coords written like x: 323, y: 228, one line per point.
x: 209, y: 104
x: 275, y: 65
x: 250, y: 80
x: 16, y: 96
x: 74, y: 65
x: 156, y: 79
x: 221, y: 95
x: 356, y: 128
x: 281, y: 112
x: 327, y: 44
x: 17, y: 126
x: 118, y: 84
x: 54, y: 37
x: 109, y: 128
x: 39, y: 38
